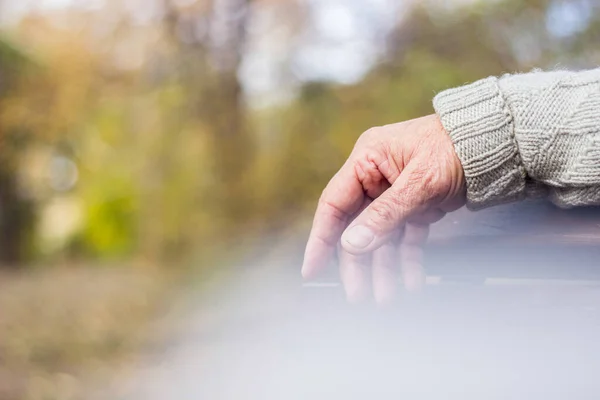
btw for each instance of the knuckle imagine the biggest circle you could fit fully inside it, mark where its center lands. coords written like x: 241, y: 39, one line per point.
x: 430, y: 179
x: 403, y: 201
x: 383, y: 212
x: 374, y: 145
x: 371, y: 134
x: 330, y: 208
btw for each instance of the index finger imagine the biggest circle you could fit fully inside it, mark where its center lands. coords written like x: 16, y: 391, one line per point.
x: 341, y: 199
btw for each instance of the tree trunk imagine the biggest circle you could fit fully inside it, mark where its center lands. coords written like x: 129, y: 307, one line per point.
x: 16, y: 220
x: 16, y: 213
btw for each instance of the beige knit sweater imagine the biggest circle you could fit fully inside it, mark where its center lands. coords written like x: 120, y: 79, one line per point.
x: 527, y: 135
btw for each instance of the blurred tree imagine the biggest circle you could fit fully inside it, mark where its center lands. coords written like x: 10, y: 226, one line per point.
x: 16, y: 211
x: 171, y: 156
x: 196, y: 72
x: 43, y: 101
x: 211, y: 57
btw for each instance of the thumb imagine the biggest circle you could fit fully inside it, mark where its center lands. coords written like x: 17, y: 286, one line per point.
x: 376, y: 224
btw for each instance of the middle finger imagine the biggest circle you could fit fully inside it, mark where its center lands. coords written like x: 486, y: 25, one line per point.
x: 385, y: 271
x: 355, y: 275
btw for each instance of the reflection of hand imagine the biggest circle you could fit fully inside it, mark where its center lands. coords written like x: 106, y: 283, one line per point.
x: 399, y: 179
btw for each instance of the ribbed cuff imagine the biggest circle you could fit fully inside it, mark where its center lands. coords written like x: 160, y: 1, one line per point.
x: 480, y: 124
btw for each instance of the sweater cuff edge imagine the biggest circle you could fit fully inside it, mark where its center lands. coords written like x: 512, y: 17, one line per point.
x: 490, y: 180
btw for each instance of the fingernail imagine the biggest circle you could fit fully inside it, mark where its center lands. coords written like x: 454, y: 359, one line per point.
x: 359, y: 237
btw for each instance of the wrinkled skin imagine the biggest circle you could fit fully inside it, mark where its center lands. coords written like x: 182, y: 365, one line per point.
x: 376, y: 211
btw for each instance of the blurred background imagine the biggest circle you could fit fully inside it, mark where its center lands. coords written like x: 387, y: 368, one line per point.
x: 146, y: 141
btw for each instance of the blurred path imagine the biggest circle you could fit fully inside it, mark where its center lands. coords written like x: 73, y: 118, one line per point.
x: 263, y: 337
x: 260, y: 335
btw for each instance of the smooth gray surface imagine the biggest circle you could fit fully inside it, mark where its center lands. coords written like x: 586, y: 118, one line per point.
x: 261, y: 335
x: 454, y: 341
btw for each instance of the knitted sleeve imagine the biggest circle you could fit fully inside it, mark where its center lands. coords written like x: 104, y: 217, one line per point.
x: 527, y: 135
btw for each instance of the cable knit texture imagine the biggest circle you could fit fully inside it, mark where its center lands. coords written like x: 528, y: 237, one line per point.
x: 527, y: 135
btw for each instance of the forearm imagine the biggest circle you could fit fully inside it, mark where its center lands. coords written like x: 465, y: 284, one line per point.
x: 519, y: 136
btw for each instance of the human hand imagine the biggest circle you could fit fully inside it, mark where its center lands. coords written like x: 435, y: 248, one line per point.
x: 377, y: 209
